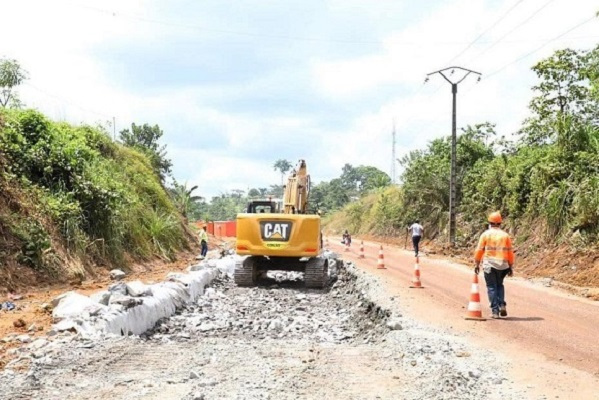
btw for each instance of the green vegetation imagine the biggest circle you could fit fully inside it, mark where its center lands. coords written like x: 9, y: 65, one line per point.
x: 546, y: 182
x: 11, y: 76
x: 144, y: 138
x: 70, y: 192
x: 353, y: 183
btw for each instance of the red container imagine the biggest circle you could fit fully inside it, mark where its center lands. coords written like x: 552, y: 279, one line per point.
x: 220, y: 228
x: 210, y: 228
x: 231, y: 228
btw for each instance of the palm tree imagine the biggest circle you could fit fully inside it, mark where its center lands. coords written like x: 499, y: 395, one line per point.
x: 282, y: 166
x: 183, y: 198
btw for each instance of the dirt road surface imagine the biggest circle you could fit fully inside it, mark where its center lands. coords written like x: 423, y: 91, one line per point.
x: 550, y: 337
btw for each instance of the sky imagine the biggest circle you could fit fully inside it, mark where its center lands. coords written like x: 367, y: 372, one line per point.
x: 236, y: 85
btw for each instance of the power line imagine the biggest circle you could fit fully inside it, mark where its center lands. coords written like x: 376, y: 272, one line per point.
x: 586, y: 21
x: 503, y: 16
x: 537, y: 11
x: 273, y: 36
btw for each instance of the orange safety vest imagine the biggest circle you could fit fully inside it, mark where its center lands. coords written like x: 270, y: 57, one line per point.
x: 496, y: 245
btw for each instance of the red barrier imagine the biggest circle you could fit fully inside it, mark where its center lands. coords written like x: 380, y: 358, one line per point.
x: 231, y: 230
x: 219, y: 228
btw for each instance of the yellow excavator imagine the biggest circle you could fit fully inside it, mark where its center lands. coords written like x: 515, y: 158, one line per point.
x: 281, y: 235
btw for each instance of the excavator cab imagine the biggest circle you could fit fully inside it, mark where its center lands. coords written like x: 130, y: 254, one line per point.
x: 264, y: 207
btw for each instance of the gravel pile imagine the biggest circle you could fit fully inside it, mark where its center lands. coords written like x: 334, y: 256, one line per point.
x: 279, y: 308
x: 275, y: 341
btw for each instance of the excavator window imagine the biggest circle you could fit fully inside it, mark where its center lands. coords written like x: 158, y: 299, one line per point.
x: 256, y: 207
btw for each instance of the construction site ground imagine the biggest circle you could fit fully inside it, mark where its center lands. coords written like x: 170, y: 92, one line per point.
x: 282, y: 341
x: 549, y: 336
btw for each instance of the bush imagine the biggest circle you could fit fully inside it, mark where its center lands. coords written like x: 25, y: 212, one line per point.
x: 104, y: 199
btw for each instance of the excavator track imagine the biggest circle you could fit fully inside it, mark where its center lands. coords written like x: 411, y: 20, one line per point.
x: 246, y: 273
x: 317, y: 273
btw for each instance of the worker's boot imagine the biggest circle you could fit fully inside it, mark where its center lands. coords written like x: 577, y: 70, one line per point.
x: 502, y: 311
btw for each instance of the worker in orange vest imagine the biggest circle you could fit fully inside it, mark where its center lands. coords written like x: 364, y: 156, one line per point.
x: 497, y: 255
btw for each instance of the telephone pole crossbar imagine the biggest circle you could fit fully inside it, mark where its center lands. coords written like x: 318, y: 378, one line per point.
x: 452, y: 179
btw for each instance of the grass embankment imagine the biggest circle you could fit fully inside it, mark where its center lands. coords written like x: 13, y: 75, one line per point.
x: 548, y: 193
x: 72, y: 199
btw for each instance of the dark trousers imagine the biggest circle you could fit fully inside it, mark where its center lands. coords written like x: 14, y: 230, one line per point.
x: 204, y: 248
x: 416, y: 242
x: 495, y: 288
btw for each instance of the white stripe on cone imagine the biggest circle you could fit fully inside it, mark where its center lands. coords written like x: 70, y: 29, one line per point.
x: 474, y: 306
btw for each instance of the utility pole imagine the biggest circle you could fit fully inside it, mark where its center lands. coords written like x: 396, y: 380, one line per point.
x: 452, y: 180
x: 393, y: 173
x: 113, y: 129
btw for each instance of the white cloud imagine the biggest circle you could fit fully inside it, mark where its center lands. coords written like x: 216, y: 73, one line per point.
x: 221, y: 148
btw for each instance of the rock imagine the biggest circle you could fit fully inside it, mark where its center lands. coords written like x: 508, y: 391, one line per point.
x: 62, y: 326
x: 275, y: 325
x: 19, y: 323
x: 197, y: 267
x: 394, y: 325
x: 118, y: 288
x: 46, y: 307
x: 24, y: 338
x: 138, y: 289
x: 38, y: 344
x: 207, y: 326
x: 72, y: 305
x: 125, y: 301
x: 102, y: 297
x: 117, y: 274
x: 194, y: 375
x: 8, y: 339
x: 32, y: 328
x: 8, y: 306
x: 474, y: 374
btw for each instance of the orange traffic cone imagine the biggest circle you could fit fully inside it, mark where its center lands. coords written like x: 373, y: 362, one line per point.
x: 416, y: 284
x: 474, y: 308
x: 381, y: 261
x: 362, y: 249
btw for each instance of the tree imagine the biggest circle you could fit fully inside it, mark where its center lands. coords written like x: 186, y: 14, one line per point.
x: 253, y: 193
x: 361, y: 179
x: 276, y: 191
x: 11, y: 76
x: 564, y: 92
x: 183, y: 197
x: 283, y: 166
x: 145, y: 138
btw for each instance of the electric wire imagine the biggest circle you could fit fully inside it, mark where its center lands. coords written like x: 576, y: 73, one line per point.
x: 584, y: 22
x: 528, y: 19
x: 503, y: 16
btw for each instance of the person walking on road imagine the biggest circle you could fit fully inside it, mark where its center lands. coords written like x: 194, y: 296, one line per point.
x: 417, y: 232
x: 204, y: 241
x: 346, y: 238
x: 495, y: 252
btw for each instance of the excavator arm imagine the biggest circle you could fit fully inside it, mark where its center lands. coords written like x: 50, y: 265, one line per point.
x: 297, y: 190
